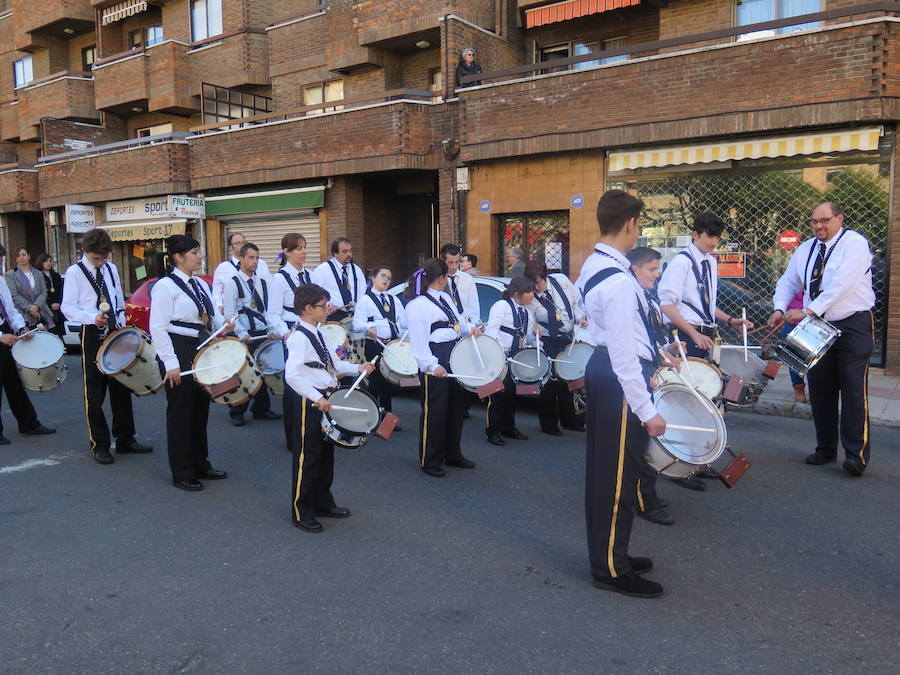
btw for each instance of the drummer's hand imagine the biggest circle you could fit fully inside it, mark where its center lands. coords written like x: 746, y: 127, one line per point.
x: 743, y: 322
x: 54, y: 306
x: 475, y: 331
x: 173, y: 377
x: 228, y: 327
x: 538, y: 330
x: 246, y: 339
x: 656, y: 425
x: 702, y: 341
x: 795, y: 316
x: 777, y: 316
x: 583, y: 323
x: 27, y: 337
x: 366, y: 368
x: 323, y: 404
x: 372, y: 332
x: 8, y: 339
x: 101, y: 319
x: 440, y: 371
x: 674, y: 349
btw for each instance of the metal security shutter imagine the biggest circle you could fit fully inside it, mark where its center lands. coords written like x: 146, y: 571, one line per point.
x: 266, y: 230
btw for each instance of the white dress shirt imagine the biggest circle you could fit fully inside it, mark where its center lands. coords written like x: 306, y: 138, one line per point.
x: 501, y: 315
x: 12, y: 315
x: 235, y: 304
x: 368, y: 314
x: 170, y: 303
x: 616, y: 323
x: 79, y: 300
x: 421, y: 313
x: 571, y: 294
x: 468, y: 295
x: 281, y: 298
x: 228, y: 269
x: 324, y: 277
x: 846, y: 286
x: 306, y: 381
x: 679, y: 285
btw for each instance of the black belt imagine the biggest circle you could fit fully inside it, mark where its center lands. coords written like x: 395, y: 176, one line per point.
x: 709, y: 331
x: 188, y: 324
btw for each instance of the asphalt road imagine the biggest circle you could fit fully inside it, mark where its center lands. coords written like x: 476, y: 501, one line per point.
x: 109, y: 569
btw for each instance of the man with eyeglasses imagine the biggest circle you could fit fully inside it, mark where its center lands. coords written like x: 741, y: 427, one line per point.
x: 834, y: 271
x: 231, y: 267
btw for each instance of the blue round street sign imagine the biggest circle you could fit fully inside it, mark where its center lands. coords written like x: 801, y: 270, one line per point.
x: 577, y: 201
x: 484, y: 206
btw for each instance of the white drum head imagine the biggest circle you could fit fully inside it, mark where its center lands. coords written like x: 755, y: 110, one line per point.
x: 464, y: 361
x: 678, y: 405
x: 270, y: 357
x: 42, y: 350
x: 572, y: 361
x: 226, y: 357
x: 120, y: 350
x: 706, y: 376
x: 352, y: 421
x: 336, y: 336
x: 731, y: 362
x: 398, y: 357
x: 583, y: 334
x: 529, y: 365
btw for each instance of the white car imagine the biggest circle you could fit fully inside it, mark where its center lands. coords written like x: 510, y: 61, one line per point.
x: 489, y: 290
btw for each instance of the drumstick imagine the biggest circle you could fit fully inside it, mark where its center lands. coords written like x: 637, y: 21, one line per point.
x: 560, y: 361
x: 343, y: 407
x: 259, y: 337
x: 360, y: 378
x: 477, y: 351
x: 684, y: 359
x: 219, y: 330
x: 684, y: 427
x: 40, y: 326
x: 681, y: 379
x: 519, y: 363
x: 744, y: 330
x: 461, y: 377
x: 197, y: 370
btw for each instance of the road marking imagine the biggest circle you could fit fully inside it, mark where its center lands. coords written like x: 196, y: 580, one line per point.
x: 28, y: 464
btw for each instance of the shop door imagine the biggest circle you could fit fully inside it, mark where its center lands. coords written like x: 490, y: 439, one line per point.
x: 542, y: 235
x: 266, y: 230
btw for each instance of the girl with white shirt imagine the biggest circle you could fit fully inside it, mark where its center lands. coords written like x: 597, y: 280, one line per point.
x: 182, y: 315
x: 434, y: 328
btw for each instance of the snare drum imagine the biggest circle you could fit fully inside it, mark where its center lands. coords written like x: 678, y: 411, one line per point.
x: 571, y: 362
x: 356, y: 342
x: 226, y: 369
x: 679, y: 454
x: 351, y: 428
x: 397, y: 362
x: 39, y: 361
x: 750, y: 372
x: 530, y: 366
x: 270, y: 361
x: 128, y: 356
x: 464, y: 361
x: 807, y: 343
x: 336, y: 338
x: 704, y: 374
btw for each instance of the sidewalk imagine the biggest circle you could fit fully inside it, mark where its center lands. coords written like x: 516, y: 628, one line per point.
x: 884, y: 399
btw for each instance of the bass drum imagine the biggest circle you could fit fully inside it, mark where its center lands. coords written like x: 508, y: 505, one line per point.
x: 128, y: 356
x: 40, y: 361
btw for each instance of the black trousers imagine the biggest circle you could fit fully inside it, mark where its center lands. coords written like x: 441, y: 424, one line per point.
x: 96, y: 384
x: 843, y: 374
x: 556, y: 404
x: 647, y: 499
x: 312, y: 465
x: 16, y: 393
x: 379, y: 387
x: 501, y: 409
x: 616, y: 445
x: 261, y: 401
x: 443, y: 407
x: 187, y: 412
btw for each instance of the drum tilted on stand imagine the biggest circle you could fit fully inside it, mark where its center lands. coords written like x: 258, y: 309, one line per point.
x: 225, y: 368
x: 128, y: 356
x: 744, y: 380
x: 40, y: 361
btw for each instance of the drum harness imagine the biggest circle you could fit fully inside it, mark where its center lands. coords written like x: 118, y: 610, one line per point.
x: 292, y: 286
x: 702, y: 290
x: 318, y: 343
x: 203, y: 303
x: 251, y: 313
x: 520, y: 325
x: 389, y: 314
x: 99, y: 286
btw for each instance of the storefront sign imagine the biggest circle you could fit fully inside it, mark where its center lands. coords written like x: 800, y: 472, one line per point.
x: 144, y: 231
x: 166, y: 206
x: 80, y: 218
x: 788, y: 239
x: 731, y: 265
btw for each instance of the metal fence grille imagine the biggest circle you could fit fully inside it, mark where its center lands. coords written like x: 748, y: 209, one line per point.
x: 541, y: 235
x: 758, y: 205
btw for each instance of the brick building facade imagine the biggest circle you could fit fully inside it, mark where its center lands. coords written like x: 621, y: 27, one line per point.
x: 344, y: 117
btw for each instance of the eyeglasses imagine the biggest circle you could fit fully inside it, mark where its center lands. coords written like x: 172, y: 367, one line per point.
x: 820, y: 221
x: 323, y: 305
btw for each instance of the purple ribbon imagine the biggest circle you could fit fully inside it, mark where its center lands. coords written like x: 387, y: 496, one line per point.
x: 418, y: 274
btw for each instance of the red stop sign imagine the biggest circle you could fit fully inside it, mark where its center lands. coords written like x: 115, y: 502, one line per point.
x: 789, y: 239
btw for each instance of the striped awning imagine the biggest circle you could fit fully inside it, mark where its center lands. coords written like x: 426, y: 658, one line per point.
x: 846, y: 140
x: 571, y: 9
x: 122, y: 10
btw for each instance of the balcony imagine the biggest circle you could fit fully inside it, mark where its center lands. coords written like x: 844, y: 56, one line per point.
x: 65, y: 96
x: 63, y: 19
x: 18, y: 188
x: 142, y: 167
x: 369, y: 18
x: 151, y: 79
x: 230, y: 60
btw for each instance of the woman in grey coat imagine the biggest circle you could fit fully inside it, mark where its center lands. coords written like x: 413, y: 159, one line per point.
x: 29, y: 292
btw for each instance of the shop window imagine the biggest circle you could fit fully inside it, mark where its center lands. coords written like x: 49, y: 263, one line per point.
x: 206, y: 19
x: 145, y: 37
x: 220, y: 104
x: 88, y: 57
x: 325, y: 92
x: 22, y: 72
x: 154, y: 130
x: 542, y: 235
x: 757, y: 11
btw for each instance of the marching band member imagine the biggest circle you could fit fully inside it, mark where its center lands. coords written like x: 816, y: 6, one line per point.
x: 182, y: 315
x: 310, y: 371
x: 282, y: 317
x: 382, y: 318
x: 228, y: 268
x: 342, y: 278
x: 557, y: 310
x: 90, y: 283
x: 833, y: 268
x: 510, y: 323
x: 434, y: 328
x: 460, y: 285
x: 247, y: 296
x: 617, y: 382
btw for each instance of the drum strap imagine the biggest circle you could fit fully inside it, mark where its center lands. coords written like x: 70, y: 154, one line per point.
x: 648, y: 325
x: 200, y: 299
x: 552, y: 323
x: 390, y: 315
x: 318, y: 343
x: 518, y: 330
x: 452, y: 320
x: 565, y: 298
x: 702, y: 288
x: 100, y: 289
x: 599, y: 277
x: 814, y: 281
x: 251, y: 313
x: 346, y: 294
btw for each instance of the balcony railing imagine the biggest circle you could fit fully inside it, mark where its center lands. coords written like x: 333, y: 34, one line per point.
x: 144, y: 141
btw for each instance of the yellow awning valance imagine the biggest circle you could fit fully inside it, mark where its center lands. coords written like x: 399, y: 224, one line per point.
x: 122, y: 10
x: 776, y: 146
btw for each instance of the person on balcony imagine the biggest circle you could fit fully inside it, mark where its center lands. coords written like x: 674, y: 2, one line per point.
x: 467, y: 66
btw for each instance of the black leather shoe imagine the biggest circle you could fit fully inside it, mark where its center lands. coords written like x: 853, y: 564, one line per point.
x: 463, y: 463
x: 640, y: 565
x: 39, y: 430
x: 707, y: 473
x: 631, y: 584
x: 854, y: 466
x: 103, y: 457
x: 334, y: 512
x: 4, y: 440
x: 189, y: 484
x: 131, y: 446
x: 515, y: 433
x: 662, y: 503
x: 496, y: 439
x: 577, y: 427
x: 437, y: 473
x: 552, y: 432
x: 659, y: 516
x: 237, y: 421
x: 267, y: 415
x: 820, y: 458
x: 310, y: 525
x: 691, y: 483
x: 212, y: 474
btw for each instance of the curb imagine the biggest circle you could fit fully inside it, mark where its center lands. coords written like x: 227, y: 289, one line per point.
x: 788, y: 408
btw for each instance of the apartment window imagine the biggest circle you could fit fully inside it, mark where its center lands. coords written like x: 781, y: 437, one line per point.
x: 564, y: 50
x: 613, y: 43
x: 757, y: 11
x: 325, y: 92
x: 221, y: 104
x: 206, y: 19
x: 153, y: 130
x: 22, y: 72
x: 583, y: 48
x: 145, y: 37
x: 88, y: 57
